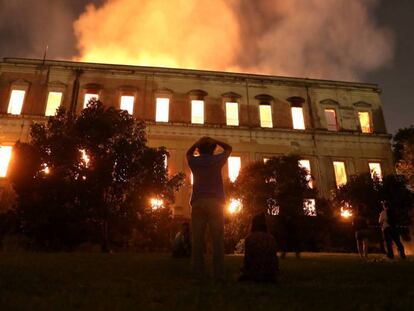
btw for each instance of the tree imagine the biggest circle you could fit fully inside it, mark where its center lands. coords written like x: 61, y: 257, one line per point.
x: 86, y: 178
x: 403, y: 148
x: 277, y: 187
x: 366, y: 193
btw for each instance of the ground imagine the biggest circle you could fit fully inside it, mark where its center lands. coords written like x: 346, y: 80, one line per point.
x: 83, y: 281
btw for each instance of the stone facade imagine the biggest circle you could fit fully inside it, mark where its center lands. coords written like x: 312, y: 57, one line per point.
x: 250, y: 141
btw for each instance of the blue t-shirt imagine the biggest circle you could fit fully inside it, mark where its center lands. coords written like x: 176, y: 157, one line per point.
x: 207, y: 180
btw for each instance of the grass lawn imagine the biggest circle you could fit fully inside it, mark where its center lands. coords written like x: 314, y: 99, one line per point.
x: 83, y: 281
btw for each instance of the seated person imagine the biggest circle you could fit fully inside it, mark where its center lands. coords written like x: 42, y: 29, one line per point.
x: 260, y: 257
x: 182, y: 242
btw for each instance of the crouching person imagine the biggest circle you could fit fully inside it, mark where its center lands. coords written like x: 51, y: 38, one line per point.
x: 260, y: 258
x: 182, y: 242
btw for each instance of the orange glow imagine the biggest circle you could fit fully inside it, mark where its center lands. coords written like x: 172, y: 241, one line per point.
x: 340, y: 173
x: 197, y: 111
x: 16, y: 102
x: 159, y: 33
x: 235, y: 206
x: 232, y: 113
x: 306, y: 165
x: 162, y: 109
x: 88, y: 97
x: 265, y: 112
x: 84, y: 157
x: 346, y: 212
x: 309, y: 207
x: 364, y: 121
x: 297, y: 118
x: 234, y: 164
x: 156, y: 203
x: 375, y: 170
x: 5, y: 156
x: 127, y: 103
x: 53, y: 102
x: 331, y: 123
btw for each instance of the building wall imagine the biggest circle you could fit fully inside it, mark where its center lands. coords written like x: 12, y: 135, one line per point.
x: 249, y: 140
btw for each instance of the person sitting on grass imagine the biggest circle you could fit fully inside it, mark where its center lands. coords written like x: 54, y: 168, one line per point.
x: 260, y: 257
x: 182, y: 242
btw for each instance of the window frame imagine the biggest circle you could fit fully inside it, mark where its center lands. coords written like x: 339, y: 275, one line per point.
x: 10, y: 147
x: 194, y: 101
x: 168, y: 99
x: 369, y: 113
x: 229, y: 101
x: 292, y: 107
x: 345, y: 170
x: 336, y: 119
x: 266, y: 104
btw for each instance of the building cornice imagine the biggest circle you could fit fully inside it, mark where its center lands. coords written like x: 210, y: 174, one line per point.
x: 252, y: 78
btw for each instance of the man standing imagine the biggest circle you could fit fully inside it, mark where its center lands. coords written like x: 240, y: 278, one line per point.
x: 207, y: 202
x: 390, y: 231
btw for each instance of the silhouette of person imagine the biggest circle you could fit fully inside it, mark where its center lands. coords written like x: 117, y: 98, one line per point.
x: 361, y: 229
x: 207, y: 202
x: 182, y: 242
x: 260, y: 257
x: 390, y: 231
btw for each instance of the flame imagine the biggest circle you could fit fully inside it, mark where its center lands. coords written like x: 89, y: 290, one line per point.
x: 311, y: 38
x: 234, y: 206
x: 156, y: 203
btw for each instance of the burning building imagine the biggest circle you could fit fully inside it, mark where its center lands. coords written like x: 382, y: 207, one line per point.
x: 336, y: 127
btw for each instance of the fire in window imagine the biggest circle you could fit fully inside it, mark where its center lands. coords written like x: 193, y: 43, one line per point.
x: 16, y: 102
x: 309, y: 207
x: 297, y: 118
x: 54, y: 100
x: 234, y: 164
x: 306, y: 165
x: 340, y: 173
x: 364, y: 121
x: 331, y: 123
x: 197, y: 111
x: 162, y: 109
x: 88, y: 97
x: 232, y: 113
x: 5, y: 156
x: 127, y: 103
x: 375, y: 170
x: 265, y: 111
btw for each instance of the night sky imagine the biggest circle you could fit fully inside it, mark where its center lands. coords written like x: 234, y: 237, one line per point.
x: 27, y: 27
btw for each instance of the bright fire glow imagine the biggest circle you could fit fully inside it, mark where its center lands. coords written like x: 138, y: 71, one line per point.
x: 5, y: 156
x: 375, y: 170
x: 156, y: 203
x: 232, y: 113
x: 16, y: 102
x: 234, y: 164
x: 265, y: 112
x: 127, y: 103
x: 309, y: 207
x: 162, y: 109
x: 46, y: 169
x: 346, y: 212
x: 84, y: 156
x: 197, y: 111
x: 88, y: 97
x: 54, y: 100
x: 364, y: 121
x: 331, y: 123
x: 297, y: 118
x: 340, y: 173
x: 234, y: 206
x: 306, y: 165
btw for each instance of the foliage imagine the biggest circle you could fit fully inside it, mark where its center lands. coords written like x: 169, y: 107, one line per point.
x: 365, y: 194
x: 403, y: 148
x: 87, y: 178
x: 277, y: 187
x: 280, y: 183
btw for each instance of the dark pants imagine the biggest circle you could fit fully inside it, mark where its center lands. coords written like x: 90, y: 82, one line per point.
x: 208, y: 212
x: 392, y: 234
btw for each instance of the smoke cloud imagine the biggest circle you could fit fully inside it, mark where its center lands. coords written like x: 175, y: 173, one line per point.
x: 309, y: 38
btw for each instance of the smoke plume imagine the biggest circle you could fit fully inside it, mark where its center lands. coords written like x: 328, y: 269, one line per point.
x: 308, y: 38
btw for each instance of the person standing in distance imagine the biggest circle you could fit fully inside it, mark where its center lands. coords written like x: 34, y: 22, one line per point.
x: 207, y: 202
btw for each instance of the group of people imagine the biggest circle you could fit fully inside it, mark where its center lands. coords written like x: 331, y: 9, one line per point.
x: 390, y: 232
x: 207, y: 209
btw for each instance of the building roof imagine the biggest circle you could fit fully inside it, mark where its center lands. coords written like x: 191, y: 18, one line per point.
x: 191, y: 72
